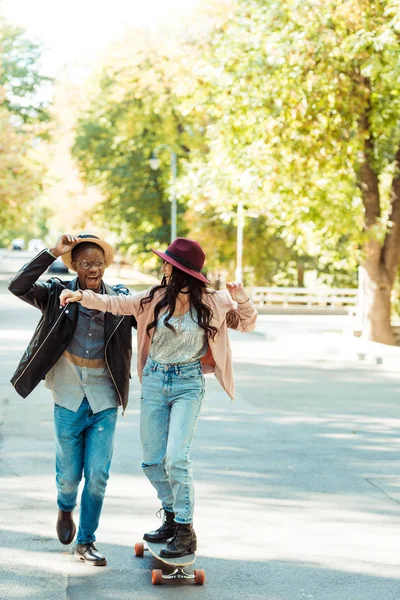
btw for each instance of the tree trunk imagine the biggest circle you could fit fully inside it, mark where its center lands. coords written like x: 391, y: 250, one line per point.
x: 300, y: 275
x: 381, y: 261
x: 375, y: 305
x: 376, y: 284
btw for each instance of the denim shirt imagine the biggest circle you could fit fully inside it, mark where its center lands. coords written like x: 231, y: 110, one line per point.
x: 81, y: 371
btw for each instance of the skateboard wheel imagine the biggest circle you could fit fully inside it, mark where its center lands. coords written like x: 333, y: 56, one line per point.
x: 156, y: 577
x: 139, y: 549
x: 199, y: 576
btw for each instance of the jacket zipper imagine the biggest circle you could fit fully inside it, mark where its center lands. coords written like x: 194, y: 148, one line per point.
x: 105, y: 355
x: 41, y: 345
x: 108, y: 366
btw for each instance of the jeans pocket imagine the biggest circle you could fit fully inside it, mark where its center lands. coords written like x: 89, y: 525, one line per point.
x: 146, y: 370
x: 191, y: 374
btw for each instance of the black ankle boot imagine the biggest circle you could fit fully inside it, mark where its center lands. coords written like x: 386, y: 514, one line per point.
x: 166, y: 531
x: 183, y: 542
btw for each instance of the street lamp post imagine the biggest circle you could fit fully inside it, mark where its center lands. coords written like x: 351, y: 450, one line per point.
x: 239, y: 243
x: 245, y: 181
x: 155, y: 164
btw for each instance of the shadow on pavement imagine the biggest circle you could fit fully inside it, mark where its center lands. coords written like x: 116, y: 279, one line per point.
x: 127, y: 577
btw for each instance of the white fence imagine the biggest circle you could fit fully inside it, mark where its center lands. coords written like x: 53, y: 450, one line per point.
x: 285, y: 297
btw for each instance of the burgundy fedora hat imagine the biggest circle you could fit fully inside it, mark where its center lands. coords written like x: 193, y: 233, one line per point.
x: 186, y: 255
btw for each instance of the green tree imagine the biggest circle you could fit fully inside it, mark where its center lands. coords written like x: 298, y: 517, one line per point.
x: 23, y: 124
x: 20, y: 75
x: 267, y: 259
x: 135, y: 107
x: 19, y: 177
x: 303, y: 107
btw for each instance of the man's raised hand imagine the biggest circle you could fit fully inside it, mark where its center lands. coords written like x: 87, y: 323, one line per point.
x: 64, y: 244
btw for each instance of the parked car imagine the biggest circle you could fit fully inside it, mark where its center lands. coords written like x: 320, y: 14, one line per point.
x: 17, y: 244
x: 36, y: 245
x: 58, y: 267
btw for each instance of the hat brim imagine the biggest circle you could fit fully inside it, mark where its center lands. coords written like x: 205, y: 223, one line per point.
x: 180, y: 266
x: 107, y: 249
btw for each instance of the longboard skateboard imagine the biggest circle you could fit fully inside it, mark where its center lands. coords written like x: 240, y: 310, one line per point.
x: 157, y: 575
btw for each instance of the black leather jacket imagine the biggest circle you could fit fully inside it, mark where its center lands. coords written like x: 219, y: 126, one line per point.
x: 57, y: 326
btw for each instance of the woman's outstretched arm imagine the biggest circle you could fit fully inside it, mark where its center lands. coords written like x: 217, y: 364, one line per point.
x: 117, y: 305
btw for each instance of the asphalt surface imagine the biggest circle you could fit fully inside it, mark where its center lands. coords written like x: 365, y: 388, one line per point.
x: 297, y: 481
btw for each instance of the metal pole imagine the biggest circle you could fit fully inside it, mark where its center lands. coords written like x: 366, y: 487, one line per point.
x: 239, y: 242
x: 174, y: 172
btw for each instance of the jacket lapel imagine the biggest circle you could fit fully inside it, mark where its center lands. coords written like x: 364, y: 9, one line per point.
x: 71, y: 312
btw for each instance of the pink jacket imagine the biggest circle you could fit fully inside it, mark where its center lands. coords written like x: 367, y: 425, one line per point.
x: 218, y: 359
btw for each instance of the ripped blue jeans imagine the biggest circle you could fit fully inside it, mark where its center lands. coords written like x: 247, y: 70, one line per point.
x: 84, y: 445
x: 171, y: 401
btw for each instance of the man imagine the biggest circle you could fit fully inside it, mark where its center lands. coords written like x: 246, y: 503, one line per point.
x: 84, y: 356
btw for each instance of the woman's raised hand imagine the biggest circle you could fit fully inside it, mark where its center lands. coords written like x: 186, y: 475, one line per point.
x: 237, y: 292
x: 68, y: 296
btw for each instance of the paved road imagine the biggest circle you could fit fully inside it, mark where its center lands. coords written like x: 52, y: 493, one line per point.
x: 298, y: 484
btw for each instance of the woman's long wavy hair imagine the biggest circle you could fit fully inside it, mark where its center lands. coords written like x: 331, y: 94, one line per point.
x: 177, y: 282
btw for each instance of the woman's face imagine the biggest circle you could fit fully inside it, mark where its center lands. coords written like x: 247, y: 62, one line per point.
x: 166, y: 270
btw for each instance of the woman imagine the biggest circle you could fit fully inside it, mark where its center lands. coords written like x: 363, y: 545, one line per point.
x: 181, y: 334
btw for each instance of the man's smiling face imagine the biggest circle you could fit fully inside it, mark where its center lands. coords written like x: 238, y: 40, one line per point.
x: 89, y: 265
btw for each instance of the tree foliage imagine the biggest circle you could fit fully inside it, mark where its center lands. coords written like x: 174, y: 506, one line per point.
x: 291, y: 107
x: 135, y: 109
x: 152, y: 97
x: 22, y: 125
x: 20, y: 75
x: 304, y: 126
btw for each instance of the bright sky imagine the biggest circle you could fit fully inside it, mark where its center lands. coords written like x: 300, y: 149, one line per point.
x: 78, y: 30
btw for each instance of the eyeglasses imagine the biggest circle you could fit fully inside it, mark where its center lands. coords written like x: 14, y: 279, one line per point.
x: 86, y: 264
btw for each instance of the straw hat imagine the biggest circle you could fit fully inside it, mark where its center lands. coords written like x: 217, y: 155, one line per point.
x: 89, y: 237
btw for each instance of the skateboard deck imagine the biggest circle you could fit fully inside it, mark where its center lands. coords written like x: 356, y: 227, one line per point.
x: 183, y: 561
x: 179, y: 563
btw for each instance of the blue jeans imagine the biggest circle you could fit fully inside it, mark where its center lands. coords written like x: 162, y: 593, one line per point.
x: 84, y: 444
x: 171, y: 400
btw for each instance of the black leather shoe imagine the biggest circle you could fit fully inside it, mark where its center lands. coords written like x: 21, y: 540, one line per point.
x: 166, y: 531
x: 65, y: 527
x: 91, y: 556
x: 184, y: 542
